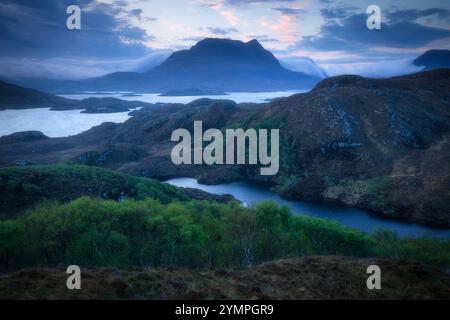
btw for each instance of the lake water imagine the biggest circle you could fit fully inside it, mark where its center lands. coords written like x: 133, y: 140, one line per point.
x: 66, y: 123
x: 54, y: 123
x: 238, y: 97
x: 251, y: 194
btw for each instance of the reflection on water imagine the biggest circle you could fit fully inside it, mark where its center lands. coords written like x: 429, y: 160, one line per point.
x: 360, y: 219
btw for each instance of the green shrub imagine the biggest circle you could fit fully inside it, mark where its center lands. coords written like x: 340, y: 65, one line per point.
x: 94, y: 232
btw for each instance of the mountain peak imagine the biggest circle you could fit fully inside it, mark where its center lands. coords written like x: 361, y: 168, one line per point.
x: 226, y: 41
x: 218, y: 53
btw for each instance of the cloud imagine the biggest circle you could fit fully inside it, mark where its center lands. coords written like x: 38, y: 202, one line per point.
x: 230, y: 16
x: 241, y: 2
x: 337, y: 12
x: 35, y: 31
x: 42, y: 31
x: 303, y: 64
x: 386, y: 68
x: 221, y: 31
x: 263, y: 38
x: 193, y: 39
x: 289, y: 11
x: 414, y: 14
x: 139, y: 14
x: 351, y: 33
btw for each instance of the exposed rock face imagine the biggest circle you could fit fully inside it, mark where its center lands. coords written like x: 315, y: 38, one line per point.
x: 298, y: 278
x: 378, y: 144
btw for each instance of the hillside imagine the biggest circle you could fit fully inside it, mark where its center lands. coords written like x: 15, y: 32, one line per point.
x: 17, y: 97
x: 22, y: 188
x: 433, y: 59
x: 377, y: 144
x: 324, y: 277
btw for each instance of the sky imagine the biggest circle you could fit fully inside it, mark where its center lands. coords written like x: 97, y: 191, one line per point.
x: 136, y: 35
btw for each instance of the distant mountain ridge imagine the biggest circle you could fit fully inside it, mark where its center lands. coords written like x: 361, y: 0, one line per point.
x: 210, y: 65
x: 17, y: 97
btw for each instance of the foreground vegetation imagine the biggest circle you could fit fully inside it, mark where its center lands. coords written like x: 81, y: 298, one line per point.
x: 194, y: 234
x: 316, y: 277
x: 21, y: 188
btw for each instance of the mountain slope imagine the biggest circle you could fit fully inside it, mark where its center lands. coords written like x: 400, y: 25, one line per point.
x: 16, y: 97
x: 212, y: 64
x: 22, y: 188
x: 377, y: 144
x: 433, y: 59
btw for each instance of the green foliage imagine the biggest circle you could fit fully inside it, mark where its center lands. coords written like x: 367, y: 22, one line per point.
x: 23, y: 187
x: 428, y: 250
x: 147, y: 233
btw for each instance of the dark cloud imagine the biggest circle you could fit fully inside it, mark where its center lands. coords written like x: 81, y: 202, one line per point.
x: 289, y: 11
x: 351, y: 34
x: 221, y: 31
x: 38, y: 29
x: 337, y: 12
x: 139, y: 14
x: 414, y: 14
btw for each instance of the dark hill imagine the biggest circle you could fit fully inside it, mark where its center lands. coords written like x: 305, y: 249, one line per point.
x: 433, y: 59
x: 17, y: 97
x: 22, y: 188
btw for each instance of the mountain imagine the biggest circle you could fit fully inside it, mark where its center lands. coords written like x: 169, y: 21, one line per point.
x: 377, y: 144
x: 229, y: 65
x: 211, y: 65
x: 433, y: 59
x: 17, y: 97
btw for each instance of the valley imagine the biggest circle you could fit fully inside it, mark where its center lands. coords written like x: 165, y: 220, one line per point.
x: 349, y: 140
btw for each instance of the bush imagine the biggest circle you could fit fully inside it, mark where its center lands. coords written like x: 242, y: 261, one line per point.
x: 147, y: 233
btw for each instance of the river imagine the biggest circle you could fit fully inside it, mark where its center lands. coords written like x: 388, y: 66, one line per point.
x: 363, y: 220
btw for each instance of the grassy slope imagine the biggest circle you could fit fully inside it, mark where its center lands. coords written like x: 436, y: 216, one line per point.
x: 325, y: 277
